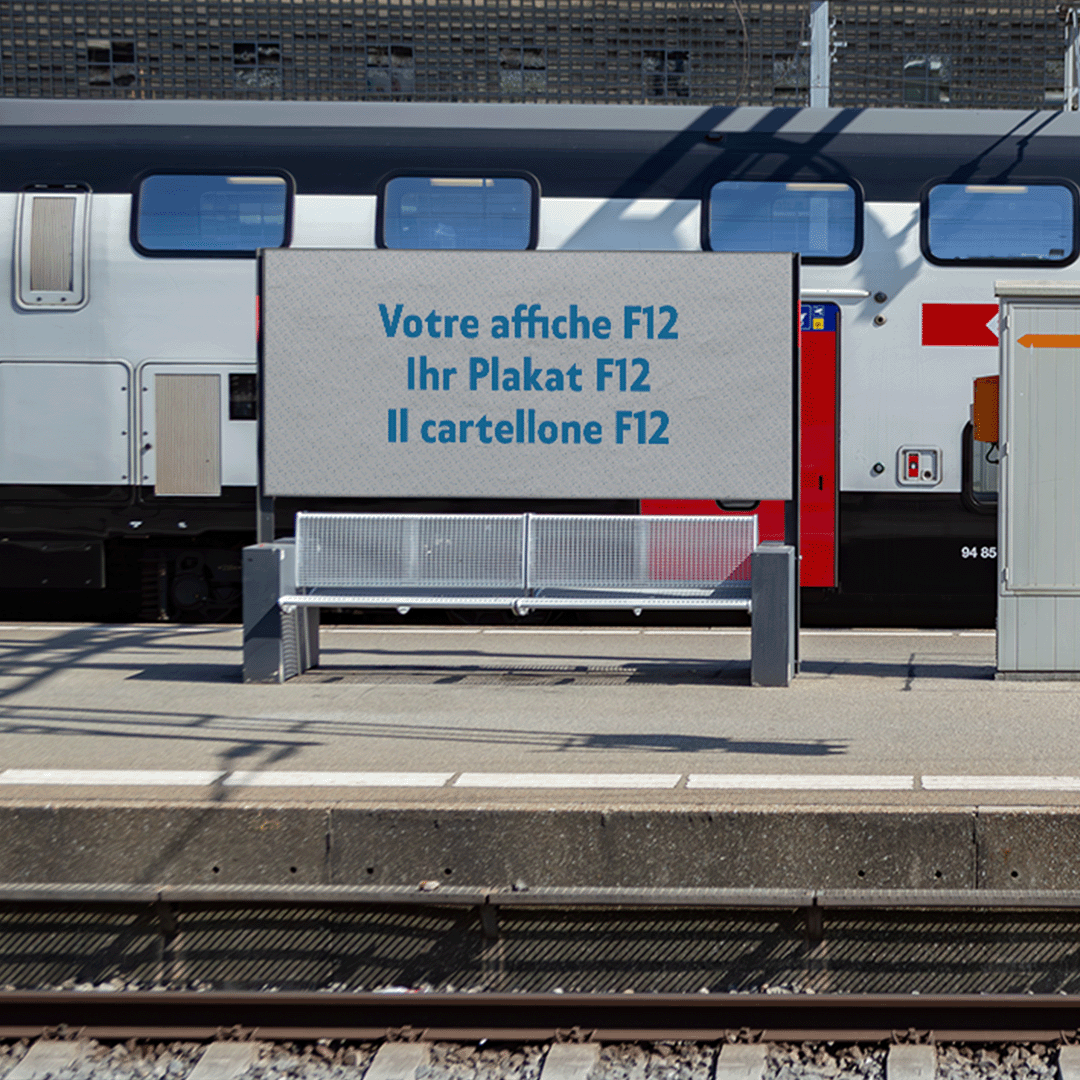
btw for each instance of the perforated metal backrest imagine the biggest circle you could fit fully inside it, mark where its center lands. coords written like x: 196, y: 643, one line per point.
x: 575, y: 551
x: 439, y: 551
x: 490, y: 551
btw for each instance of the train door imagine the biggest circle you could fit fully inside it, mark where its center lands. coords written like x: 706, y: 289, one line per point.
x: 820, y: 365
x: 196, y: 433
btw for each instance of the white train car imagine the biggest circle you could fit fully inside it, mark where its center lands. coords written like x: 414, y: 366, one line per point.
x: 128, y: 342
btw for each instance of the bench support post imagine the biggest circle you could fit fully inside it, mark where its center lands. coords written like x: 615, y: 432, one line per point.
x: 277, y: 645
x: 772, y: 615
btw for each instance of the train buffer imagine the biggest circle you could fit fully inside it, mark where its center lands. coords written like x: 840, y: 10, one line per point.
x: 520, y: 562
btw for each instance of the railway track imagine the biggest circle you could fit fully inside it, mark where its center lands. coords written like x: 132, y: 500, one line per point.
x: 523, y: 1018
x: 223, y: 1006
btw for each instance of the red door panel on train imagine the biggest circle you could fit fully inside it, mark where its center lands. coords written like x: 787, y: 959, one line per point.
x: 820, y: 357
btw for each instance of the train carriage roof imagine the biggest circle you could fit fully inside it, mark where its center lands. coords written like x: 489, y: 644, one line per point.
x: 606, y: 151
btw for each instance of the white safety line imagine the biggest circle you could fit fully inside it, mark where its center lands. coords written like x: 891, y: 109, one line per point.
x: 563, y: 632
x: 891, y: 633
x: 336, y: 779
x: 1001, y: 783
x: 554, y: 631
x: 535, y: 780
x: 459, y: 630
x: 799, y: 782
x: 546, y: 631
x: 113, y: 777
x: 567, y: 780
x: 123, y: 628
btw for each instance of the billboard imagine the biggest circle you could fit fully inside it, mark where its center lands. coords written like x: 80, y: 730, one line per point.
x: 527, y: 374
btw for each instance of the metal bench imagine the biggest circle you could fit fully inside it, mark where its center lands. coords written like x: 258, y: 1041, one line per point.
x: 522, y: 562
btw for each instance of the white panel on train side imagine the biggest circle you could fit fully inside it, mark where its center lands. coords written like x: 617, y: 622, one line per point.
x: 65, y: 422
x: 238, y: 437
x: 894, y: 391
x: 333, y: 221
x: 199, y: 309
x: 9, y: 203
x: 620, y: 225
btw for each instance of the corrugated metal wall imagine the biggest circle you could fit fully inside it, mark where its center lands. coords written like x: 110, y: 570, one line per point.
x: 738, y: 52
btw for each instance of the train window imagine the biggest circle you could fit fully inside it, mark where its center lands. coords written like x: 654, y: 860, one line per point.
x: 819, y: 221
x: 980, y: 473
x: 51, y: 256
x: 243, y: 396
x: 1015, y: 223
x: 472, y: 213
x: 184, y: 213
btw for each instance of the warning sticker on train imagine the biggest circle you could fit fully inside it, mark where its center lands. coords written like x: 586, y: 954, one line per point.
x: 540, y: 374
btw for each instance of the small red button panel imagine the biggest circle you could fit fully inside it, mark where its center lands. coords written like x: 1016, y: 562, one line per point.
x: 918, y: 466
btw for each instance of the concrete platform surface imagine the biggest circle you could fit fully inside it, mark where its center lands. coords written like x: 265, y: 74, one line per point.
x: 124, y: 750
x: 467, y: 714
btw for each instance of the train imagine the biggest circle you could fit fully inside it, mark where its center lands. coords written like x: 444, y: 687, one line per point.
x: 128, y: 392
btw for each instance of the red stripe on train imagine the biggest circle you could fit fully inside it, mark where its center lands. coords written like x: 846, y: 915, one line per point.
x: 958, y: 324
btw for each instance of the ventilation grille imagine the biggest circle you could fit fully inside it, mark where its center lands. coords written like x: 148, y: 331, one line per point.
x: 188, y: 433
x: 52, y: 236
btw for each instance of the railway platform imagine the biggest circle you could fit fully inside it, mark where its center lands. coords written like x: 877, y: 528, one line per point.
x: 510, y: 757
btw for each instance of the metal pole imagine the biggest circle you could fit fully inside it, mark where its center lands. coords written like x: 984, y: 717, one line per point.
x: 820, y: 54
x: 264, y: 504
x: 1072, y: 61
x: 264, y: 518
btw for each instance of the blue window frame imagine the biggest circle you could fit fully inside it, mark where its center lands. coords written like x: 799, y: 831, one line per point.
x: 819, y: 221
x: 186, y: 213
x: 1022, y: 224
x: 465, y: 213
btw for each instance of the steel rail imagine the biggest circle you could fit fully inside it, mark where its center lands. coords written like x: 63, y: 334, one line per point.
x: 542, y: 1017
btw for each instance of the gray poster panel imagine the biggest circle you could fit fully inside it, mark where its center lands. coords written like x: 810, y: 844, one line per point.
x: 527, y: 374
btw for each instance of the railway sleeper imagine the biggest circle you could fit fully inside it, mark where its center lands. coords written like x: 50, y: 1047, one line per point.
x: 78, y: 1055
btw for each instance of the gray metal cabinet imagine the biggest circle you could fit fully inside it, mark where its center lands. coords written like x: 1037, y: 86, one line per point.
x: 1039, y: 523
